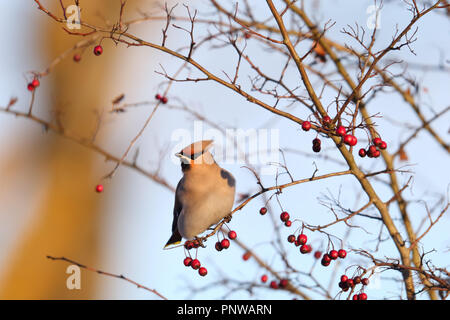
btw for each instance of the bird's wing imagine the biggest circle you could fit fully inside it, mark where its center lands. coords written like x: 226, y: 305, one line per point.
x: 176, y: 237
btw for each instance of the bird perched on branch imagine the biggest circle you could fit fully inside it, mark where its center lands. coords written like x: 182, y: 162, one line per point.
x: 204, y: 195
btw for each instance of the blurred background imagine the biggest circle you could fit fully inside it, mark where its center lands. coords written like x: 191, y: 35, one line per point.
x: 48, y: 203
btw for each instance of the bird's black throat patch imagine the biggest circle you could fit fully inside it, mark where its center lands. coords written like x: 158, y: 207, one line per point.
x: 226, y: 175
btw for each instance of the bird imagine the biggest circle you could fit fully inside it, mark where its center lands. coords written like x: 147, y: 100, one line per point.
x: 204, y: 195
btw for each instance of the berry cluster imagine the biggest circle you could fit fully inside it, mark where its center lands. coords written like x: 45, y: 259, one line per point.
x: 332, y: 255
x: 33, y: 84
x: 274, y: 284
x: 374, y: 150
x: 346, y: 283
x: 164, y: 100
x: 196, y: 265
x: 284, y: 216
x: 225, y: 243
x: 348, y: 139
x: 300, y: 241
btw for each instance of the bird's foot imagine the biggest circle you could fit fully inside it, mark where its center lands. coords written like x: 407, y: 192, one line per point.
x: 227, y: 218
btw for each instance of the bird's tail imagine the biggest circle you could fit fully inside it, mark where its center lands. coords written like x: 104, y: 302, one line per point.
x: 174, y: 239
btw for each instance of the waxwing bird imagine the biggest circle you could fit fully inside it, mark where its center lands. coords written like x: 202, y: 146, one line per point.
x: 204, y: 195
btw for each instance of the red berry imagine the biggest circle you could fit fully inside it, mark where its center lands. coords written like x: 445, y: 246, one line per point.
x: 372, y: 149
x: 297, y: 244
x: 263, y: 211
x: 376, y: 154
x: 273, y: 284
x: 362, y: 296
x: 316, y: 141
x: 326, y: 258
x: 264, y: 278
x: 288, y: 223
x: 325, y: 263
x: 350, y: 283
x: 187, y: 261
x: 291, y: 238
x: 188, y: 245
x: 342, y: 253
x: 76, y: 57
x: 202, y: 271
x: 357, y: 280
x: 365, y: 281
x: 306, y: 125
x: 355, y: 297
x: 350, y: 140
x: 98, y: 50
x: 35, y: 83
x: 247, y: 35
x: 343, y: 285
x: 382, y: 145
x: 195, y: 244
x: 30, y: 87
x: 333, y: 254
x: 284, y: 216
x: 326, y: 120
x: 218, y: 246
x: 316, y: 148
x: 283, y: 283
x: 362, y: 153
x: 158, y: 96
x: 195, y: 264
x: 340, y: 131
x: 232, y: 235
x: 305, y: 249
x: 302, y: 238
x: 376, y: 141
x: 225, y: 243
x: 344, y: 278
x: 99, y: 188
x: 246, y: 256
x: 317, y: 254
x: 164, y: 100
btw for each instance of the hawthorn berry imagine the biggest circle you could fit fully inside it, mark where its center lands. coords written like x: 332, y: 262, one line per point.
x: 187, y: 261
x: 344, y: 278
x: 382, y: 145
x: 288, y: 223
x: 376, y: 141
x: 365, y: 281
x: 362, y: 296
x: 362, y: 152
x: 76, y: 57
x: 202, y: 271
x: 357, y: 280
x: 263, y: 211
x: 284, y: 216
x: 333, y: 254
x: 291, y: 238
x: 342, y: 253
x: 99, y: 188
x: 273, y: 284
x: 158, y: 96
x: 195, y: 264
x: 306, y: 125
x: 326, y: 120
x: 246, y: 256
x: 98, y: 50
x: 372, y: 150
x: 232, y: 235
x: 264, y: 278
x: 355, y: 297
x: 325, y: 263
x: 350, y: 140
x: 340, y: 131
x: 283, y: 283
x: 316, y: 148
x: 35, y: 83
x: 302, y: 238
x: 218, y: 246
x: 225, y: 243
x: 164, y: 100
x: 306, y: 248
x: 350, y: 282
x: 343, y: 285
x: 30, y: 87
x: 316, y: 141
x: 317, y: 254
x: 297, y: 244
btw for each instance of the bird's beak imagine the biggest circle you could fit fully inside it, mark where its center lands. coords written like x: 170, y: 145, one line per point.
x: 178, y: 155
